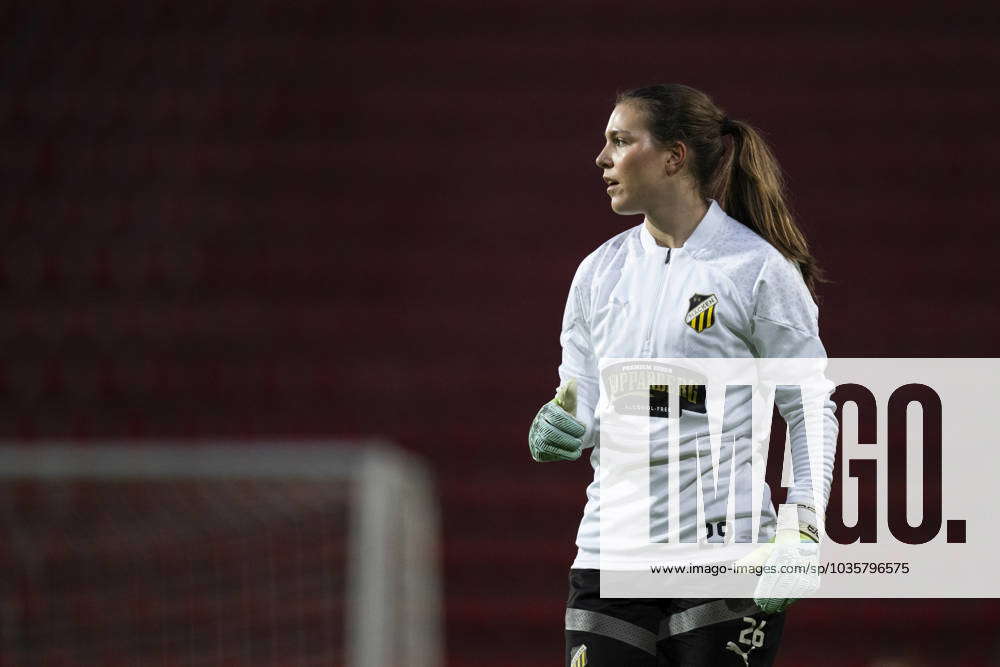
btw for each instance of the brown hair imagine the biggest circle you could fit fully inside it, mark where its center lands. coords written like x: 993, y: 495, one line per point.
x: 746, y: 181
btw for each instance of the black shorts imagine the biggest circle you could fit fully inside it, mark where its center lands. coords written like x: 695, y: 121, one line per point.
x: 678, y: 632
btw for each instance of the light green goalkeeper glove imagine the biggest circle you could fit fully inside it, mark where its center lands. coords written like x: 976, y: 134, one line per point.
x: 792, y: 561
x: 555, y: 432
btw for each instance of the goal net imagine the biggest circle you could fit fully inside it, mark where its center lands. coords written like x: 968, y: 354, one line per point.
x: 229, y: 554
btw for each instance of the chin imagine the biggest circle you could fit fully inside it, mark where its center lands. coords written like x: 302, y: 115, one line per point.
x: 621, y: 208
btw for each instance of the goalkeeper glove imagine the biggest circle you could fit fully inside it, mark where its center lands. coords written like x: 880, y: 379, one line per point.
x: 555, y: 433
x: 791, y: 561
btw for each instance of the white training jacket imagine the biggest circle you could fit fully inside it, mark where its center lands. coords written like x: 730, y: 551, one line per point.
x: 726, y: 293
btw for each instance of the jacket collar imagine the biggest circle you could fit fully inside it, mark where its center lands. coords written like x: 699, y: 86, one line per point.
x: 701, y: 237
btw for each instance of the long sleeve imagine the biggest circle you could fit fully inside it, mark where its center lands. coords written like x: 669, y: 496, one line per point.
x: 785, y: 325
x: 578, y: 359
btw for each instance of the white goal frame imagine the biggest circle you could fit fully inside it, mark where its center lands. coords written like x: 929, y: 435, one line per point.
x: 385, y: 625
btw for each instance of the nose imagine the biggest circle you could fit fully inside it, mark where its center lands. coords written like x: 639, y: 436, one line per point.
x: 603, y: 161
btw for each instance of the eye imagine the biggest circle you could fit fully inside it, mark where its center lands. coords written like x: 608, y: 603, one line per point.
x: 619, y: 141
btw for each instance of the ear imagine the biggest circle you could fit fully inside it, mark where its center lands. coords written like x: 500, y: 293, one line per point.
x: 674, y: 158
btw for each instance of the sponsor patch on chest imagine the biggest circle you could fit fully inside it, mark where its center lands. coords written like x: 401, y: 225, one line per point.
x: 701, y: 311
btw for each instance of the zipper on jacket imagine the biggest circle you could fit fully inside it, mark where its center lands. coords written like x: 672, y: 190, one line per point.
x: 648, y: 343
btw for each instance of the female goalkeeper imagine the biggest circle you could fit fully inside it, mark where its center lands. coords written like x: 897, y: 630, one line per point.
x: 717, y: 268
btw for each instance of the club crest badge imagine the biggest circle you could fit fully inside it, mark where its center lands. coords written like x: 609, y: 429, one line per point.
x: 701, y: 311
x: 578, y: 656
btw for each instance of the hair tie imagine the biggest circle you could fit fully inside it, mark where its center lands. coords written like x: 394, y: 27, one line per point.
x: 726, y: 126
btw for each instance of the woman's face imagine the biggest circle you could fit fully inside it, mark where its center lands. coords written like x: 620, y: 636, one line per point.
x: 635, y: 167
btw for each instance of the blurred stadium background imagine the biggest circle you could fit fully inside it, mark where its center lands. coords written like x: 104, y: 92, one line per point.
x: 270, y: 222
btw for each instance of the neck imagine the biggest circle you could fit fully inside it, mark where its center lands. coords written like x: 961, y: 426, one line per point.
x: 675, y: 221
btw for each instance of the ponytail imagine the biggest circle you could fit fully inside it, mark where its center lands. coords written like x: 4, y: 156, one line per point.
x: 751, y: 188
x: 746, y: 180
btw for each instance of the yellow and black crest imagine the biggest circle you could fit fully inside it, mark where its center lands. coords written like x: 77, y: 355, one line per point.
x: 701, y: 311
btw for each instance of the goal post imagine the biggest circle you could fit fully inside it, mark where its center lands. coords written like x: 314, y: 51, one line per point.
x: 219, y: 553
